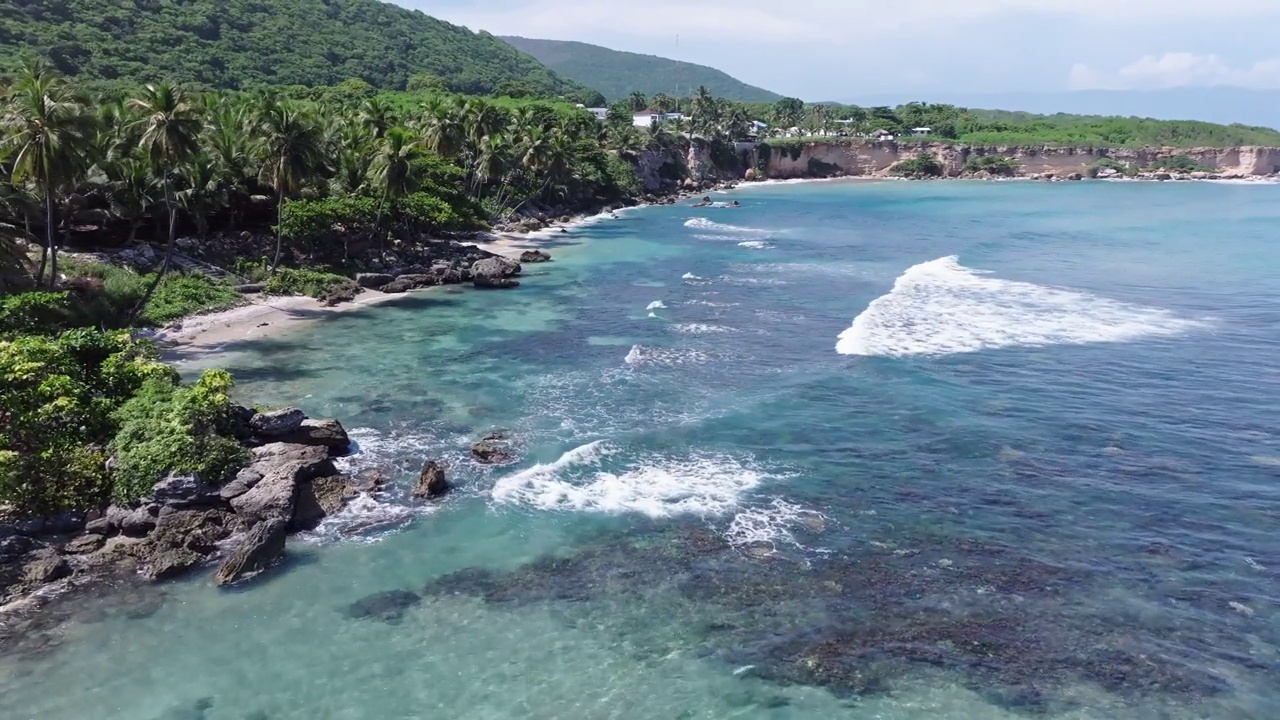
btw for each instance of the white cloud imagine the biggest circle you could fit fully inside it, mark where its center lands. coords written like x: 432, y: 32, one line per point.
x: 1177, y: 69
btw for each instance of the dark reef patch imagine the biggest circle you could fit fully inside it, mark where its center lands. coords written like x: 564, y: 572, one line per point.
x: 1018, y: 629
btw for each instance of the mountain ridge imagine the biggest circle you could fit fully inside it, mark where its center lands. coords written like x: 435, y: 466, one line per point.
x: 236, y: 44
x: 617, y: 74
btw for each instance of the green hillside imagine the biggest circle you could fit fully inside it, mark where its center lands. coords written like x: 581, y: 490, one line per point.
x: 248, y: 43
x: 618, y: 74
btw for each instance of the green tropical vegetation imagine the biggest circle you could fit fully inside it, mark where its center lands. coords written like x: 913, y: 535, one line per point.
x: 240, y: 44
x: 618, y: 74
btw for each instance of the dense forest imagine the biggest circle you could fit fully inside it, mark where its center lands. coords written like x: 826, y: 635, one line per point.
x: 252, y: 43
x: 618, y: 74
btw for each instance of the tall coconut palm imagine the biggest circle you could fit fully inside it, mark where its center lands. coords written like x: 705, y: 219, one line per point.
x: 378, y: 115
x: 290, y: 146
x: 662, y: 102
x: 48, y: 133
x: 638, y: 101
x: 131, y: 190
x: 169, y: 126
x: 202, y: 191
x: 392, y: 172
x: 440, y: 123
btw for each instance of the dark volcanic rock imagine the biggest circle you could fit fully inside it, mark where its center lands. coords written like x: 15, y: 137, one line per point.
x: 387, y: 606
x: 84, y: 544
x: 492, y: 450
x: 13, y: 547
x: 327, y: 433
x: 272, y: 498
x: 276, y: 423
x: 259, y: 548
x: 181, y: 540
x: 310, y: 461
x: 132, y: 522
x: 184, y: 491
x: 243, y: 483
x: 373, y: 281
x: 495, y: 272
x: 45, y: 566
x: 534, y: 256
x: 318, y: 499
x: 369, y: 480
x: 431, y: 482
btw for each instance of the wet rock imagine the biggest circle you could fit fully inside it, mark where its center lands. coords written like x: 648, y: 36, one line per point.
x: 369, y: 480
x: 45, y: 566
x: 534, y: 256
x: 373, y: 281
x: 84, y: 544
x: 198, y: 710
x: 318, y: 499
x: 277, y: 423
x: 326, y: 433
x: 263, y: 544
x: 181, y: 540
x: 431, y: 482
x: 412, y: 281
x: 132, y: 522
x: 387, y: 606
x: 1161, y: 176
x: 492, y: 450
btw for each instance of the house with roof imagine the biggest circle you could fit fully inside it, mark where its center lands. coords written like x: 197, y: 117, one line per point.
x: 649, y: 118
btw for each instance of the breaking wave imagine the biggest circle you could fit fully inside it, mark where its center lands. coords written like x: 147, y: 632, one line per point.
x: 707, y: 225
x: 942, y: 307
x: 593, y: 478
x: 657, y: 305
x: 664, y: 357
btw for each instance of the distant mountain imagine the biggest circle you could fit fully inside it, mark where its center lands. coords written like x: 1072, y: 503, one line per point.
x: 237, y: 44
x: 1224, y: 105
x: 617, y: 74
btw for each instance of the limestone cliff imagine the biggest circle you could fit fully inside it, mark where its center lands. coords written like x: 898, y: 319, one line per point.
x: 872, y: 158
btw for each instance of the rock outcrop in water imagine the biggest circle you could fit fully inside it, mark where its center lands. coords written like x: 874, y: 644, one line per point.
x: 290, y: 484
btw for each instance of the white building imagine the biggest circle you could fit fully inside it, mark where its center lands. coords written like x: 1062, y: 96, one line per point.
x: 597, y: 113
x: 881, y: 134
x: 921, y: 132
x: 649, y: 118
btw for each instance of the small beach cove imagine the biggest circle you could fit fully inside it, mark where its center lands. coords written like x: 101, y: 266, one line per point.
x: 713, y: 512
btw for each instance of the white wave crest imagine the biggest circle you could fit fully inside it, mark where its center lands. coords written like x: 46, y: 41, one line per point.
x: 708, y: 225
x: 664, y: 357
x: 773, y: 525
x: 702, y: 329
x: 657, y: 305
x: 656, y: 486
x: 691, y: 276
x: 755, y: 244
x: 942, y: 307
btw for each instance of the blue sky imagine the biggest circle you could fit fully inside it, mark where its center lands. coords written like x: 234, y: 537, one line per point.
x: 842, y: 49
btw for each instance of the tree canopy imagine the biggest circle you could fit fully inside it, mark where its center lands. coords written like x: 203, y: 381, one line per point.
x: 237, y: 44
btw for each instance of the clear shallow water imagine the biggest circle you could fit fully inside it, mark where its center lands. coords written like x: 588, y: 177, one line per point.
x: 883, y: 450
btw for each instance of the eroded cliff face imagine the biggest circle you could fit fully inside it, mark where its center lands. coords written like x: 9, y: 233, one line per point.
x: 875, y: 158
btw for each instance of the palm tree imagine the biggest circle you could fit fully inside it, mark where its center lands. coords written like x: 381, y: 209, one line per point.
x: 48, y: 132
x: 290, y: 145
x: 378, y: 115
x: 202, y: 191
x: 131, y: 190
x: 638, y: 101
x: 662, y: 102
x: 392, y: 170
x: 441, y: 126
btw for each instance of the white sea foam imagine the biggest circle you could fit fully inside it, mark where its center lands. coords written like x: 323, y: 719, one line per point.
x: 657, y: 305
x: 942, y: 307
x: 708, y: 225
x: 664, y: 357
x: 708, y: 303
x: 590, y: 478
x: 701, y: 329
x: 755, y: 244
x: 690, y: 277
x: 774, y: 524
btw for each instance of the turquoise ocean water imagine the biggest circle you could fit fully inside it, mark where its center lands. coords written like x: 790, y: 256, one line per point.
x: 854, y: 450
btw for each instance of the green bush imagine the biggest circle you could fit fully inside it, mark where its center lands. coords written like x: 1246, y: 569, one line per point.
x: 167, y: 429
x: 312, y: 283
x: 992, y: 164
x: 923, y: 165
x: 38, y: 313
x: 58, y: 396
x: 1181, y: 164
x: 180, y: 295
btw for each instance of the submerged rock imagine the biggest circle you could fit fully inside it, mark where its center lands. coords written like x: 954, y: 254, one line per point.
x: 535, y: 256
x: 431, y: 482
x: 492, y: 450
x: 387, y: 606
